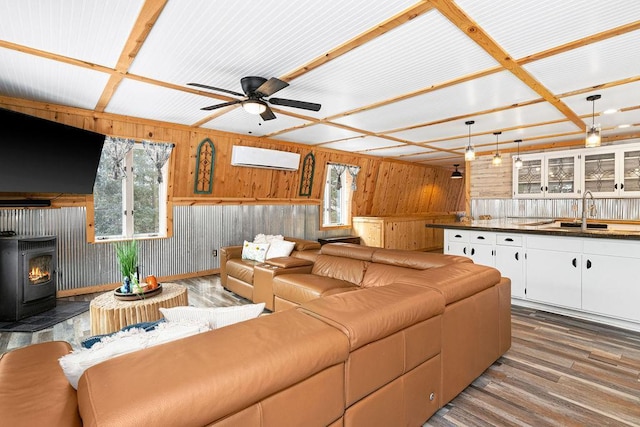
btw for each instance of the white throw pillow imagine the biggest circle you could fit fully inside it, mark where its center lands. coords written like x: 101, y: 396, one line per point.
x: 267, y: 238
x: 279, y: 248
x: 75, y: 363
x: 254, y: 251
x: 216, y: 317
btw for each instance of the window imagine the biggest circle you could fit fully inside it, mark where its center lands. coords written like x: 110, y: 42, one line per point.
x: 338, y: 190
x: 133, y: 205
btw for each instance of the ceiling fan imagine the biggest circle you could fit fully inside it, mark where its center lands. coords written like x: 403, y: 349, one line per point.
x: 255, y: 90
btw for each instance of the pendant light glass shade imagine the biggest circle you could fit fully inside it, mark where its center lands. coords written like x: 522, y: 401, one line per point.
x: 497, y: 158
x: 469, y: 152
x: 593, y: 138
x: 456, y: 174
x: 518, y: 161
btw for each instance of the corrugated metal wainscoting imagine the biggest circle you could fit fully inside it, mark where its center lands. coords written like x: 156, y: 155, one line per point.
x: 198, y: 230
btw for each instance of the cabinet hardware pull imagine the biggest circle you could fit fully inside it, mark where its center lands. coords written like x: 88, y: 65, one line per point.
x: 588, y: 264
x: 480, y: 237
x: 464, y: 251
x: 473, y: 251
x: 508, y: 239
x: 615, y: 186
x: 541, y: 188
x: 517, y: 257
x: 622, y: 186
x: 457, y: 236
x: 574, y: 262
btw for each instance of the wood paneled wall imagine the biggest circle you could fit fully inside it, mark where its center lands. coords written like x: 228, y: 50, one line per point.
x: 489, y: 181
x: 385, y: 187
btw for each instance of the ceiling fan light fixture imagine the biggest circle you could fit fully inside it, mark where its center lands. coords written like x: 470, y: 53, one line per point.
x: 469, y: 152
x: 456, y: 174
x: 254, y: 106
x: 593, y: 138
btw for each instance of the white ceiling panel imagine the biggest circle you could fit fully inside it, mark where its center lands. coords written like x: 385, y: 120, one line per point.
x: 526, y: 27
x: 616, y: 97
x: 31, y: 77
x: 492, y: 91
x: 134, y: 98
x: 362, y: 144
x: 398, y: 62
x: 218, y: 42
x: 317, y: 134
x: 398, y: 151
x: 591, y: 65
x: 530, y: 114
x: 239, y: 121
x: 93, y: 31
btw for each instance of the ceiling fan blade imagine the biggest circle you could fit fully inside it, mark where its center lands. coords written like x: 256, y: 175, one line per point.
x: 296, y: 104
x: 224, y: 104
x: 267, y: 114
x: 216, y: 89
x: 270, y: 87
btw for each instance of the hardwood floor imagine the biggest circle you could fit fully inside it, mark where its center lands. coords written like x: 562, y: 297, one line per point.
x: 559, y: 371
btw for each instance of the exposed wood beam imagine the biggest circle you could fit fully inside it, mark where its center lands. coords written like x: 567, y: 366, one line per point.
x: 146, y: 20
x: 401, y: 18
x: 460, y: 19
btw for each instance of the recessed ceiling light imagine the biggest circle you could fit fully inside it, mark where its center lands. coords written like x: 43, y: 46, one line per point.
x: 610, y: 111
x: 624, y: 126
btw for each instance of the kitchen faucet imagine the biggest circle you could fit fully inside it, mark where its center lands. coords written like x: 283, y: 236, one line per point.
x: 583, y: 224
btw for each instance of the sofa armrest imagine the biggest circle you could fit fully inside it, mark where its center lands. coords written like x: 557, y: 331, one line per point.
x: 263, y: 275
x: 288, y: 262
x: 227, y: 253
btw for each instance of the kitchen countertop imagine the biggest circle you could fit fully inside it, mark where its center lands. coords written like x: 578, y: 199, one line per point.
x: 547, y: 226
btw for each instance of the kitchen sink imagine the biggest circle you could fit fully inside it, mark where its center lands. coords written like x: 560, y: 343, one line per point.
x: 590, y: 225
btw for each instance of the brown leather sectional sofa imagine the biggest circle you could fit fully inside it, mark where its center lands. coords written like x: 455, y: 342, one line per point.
x: 378, y: 356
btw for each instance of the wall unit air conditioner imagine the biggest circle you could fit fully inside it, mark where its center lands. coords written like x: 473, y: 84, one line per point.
x: 252, y: 157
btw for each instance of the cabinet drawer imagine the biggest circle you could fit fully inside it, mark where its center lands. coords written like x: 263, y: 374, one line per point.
x: 619, y: 248
x: 458, y: 236
x: 562, y: 244
x: 508, y: 240
x: 482, y: 237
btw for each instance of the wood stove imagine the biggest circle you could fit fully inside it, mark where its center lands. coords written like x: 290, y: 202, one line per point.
x: 27, y: 276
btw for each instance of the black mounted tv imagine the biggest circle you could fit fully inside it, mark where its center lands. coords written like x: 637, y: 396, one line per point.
x: 41, y: 156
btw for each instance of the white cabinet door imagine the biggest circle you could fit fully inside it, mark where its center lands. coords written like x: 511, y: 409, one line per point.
x: 456, y: 248
x: 610, y: 286
x: 548, y: 175
x: 483, y: 254
x: 510, y: 261
x: 628, y: 184
x: 554, y: 277
x: 528, y: 180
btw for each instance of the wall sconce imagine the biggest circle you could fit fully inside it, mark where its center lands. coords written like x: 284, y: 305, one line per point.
x: 593, y: 132
x: 497, y: 158
x: 518, y: 162
x: 456, y: 173
x: 469, y: 152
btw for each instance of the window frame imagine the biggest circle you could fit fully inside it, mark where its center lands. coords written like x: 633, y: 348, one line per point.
x: 128, y: 215
x: 347, y: 202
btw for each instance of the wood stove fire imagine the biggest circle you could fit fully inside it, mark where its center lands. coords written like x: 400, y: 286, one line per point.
x: 27, y: 276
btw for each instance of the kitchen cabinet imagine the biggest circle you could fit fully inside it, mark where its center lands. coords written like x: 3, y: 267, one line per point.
x: 555, y: 175
x: 509, y: 260
x: 612, y: 172
x: 401, y: 232
x: 609, y: 280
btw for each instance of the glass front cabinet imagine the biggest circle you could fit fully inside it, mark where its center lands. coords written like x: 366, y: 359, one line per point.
x: 612, y: 172
x: 553, y: 175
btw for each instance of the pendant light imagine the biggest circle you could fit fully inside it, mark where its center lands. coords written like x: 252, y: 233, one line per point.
x: 593, y: 132
x: 518, y: 162
x: 456, y: 173
x: 497, y: 158
x: 469, y: 152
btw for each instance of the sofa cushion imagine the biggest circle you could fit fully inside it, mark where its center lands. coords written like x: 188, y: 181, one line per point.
x: 415, y: 260
x: 241, y: 269
x: 382, y: 275
x: 371, y: 314
x: 455, y: 281
x: 348, y: 250
x: 335, y: 267
x: 300, y: 288
x: 33, y: 389
x: 254, y: 251
x: 289, y: 262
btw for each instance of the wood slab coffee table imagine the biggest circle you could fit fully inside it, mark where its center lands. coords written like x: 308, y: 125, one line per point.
x: 109, y: 314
